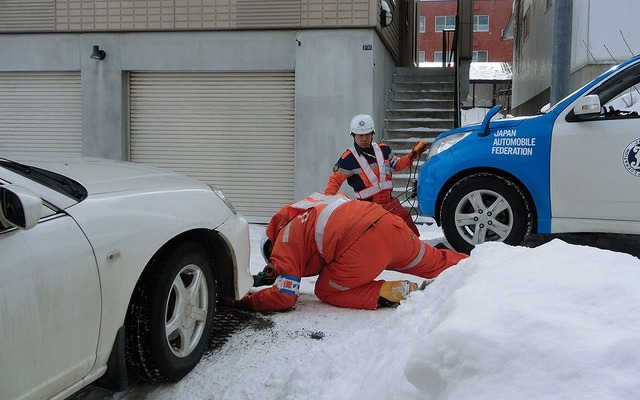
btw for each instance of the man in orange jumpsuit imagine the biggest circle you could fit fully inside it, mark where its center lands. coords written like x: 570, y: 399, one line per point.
x: 348, y: 243
x: 368, y: 166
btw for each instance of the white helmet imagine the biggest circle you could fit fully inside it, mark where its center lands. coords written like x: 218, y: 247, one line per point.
x: 362, y: 124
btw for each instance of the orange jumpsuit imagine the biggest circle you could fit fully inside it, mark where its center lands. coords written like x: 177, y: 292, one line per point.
x: 358, y: 241
x: 362, y: 169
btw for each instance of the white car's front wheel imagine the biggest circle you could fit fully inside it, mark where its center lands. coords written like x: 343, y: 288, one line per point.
x: 170, y: 316
x: 485, y: 207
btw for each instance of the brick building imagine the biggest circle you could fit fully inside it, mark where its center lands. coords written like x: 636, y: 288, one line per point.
x: 490, y: 18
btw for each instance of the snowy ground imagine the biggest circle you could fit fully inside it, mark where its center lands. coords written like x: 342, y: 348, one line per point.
x: 551, y: 322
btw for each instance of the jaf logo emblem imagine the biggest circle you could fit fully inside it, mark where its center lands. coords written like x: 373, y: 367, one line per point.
x: 631, y: 157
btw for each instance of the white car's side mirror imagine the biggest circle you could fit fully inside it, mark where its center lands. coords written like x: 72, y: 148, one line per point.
x: 587, y: 106
x: 19, y: 207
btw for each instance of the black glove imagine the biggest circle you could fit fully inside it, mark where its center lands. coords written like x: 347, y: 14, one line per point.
x: 266, y: 277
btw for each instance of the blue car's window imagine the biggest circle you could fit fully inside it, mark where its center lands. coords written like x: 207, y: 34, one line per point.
x: 621, y: 93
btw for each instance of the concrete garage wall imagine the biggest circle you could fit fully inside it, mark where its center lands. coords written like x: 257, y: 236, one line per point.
x: 103, y: 82
x: 103, y: 99
x: 337, y: 77
x: 40, y: 52
x: 339, y: 73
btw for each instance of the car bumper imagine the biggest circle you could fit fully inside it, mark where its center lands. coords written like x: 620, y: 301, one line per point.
x: 235, y: 230
x: 432, y: 176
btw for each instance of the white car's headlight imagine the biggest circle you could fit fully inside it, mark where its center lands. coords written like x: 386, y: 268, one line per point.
x: 226, y: 201
x: 445, y: 143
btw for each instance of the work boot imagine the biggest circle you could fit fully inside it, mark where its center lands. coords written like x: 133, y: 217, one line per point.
x: 394, y: 292
x: 391, y: 293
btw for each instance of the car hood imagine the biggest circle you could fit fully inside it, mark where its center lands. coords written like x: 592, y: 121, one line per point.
x: 100, y: 175
x: 504, y: 123
x: 498, y: 123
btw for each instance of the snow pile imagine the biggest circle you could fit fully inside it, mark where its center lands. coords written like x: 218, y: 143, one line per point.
x: 557, y: 321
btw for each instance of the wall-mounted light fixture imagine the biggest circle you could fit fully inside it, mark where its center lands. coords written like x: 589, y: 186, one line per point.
x: 98, y: 54
x: 385, y: 14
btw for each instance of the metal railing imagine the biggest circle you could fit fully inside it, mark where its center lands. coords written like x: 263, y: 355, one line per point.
x: 448, y: 47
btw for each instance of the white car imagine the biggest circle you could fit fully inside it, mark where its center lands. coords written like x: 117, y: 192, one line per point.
x: 109, y: 270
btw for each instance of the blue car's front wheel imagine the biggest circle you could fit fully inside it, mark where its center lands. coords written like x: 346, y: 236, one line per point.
x: 485, y: 207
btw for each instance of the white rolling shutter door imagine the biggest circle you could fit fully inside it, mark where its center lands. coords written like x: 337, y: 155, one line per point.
x: 40, y: 112
x: 233, y: 130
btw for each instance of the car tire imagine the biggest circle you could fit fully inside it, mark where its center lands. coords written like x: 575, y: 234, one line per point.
x: 485, y: 207
x: 169, y: 319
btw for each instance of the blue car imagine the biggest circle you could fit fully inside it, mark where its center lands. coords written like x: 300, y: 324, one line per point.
x: 575, y: 167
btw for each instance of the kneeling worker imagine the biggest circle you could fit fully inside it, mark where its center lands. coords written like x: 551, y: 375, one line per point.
x: 348, y: 244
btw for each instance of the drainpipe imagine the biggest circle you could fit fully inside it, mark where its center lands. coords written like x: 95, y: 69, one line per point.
x: 561, y: 57
x: 464, y: 52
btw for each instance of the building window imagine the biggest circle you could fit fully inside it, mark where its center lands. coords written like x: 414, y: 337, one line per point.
x: 423, y: 24
x: 481, y: 23
x: 421, y: 56
x: 480, y: 56
x: 437, y: 56
x: 447, y: 22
